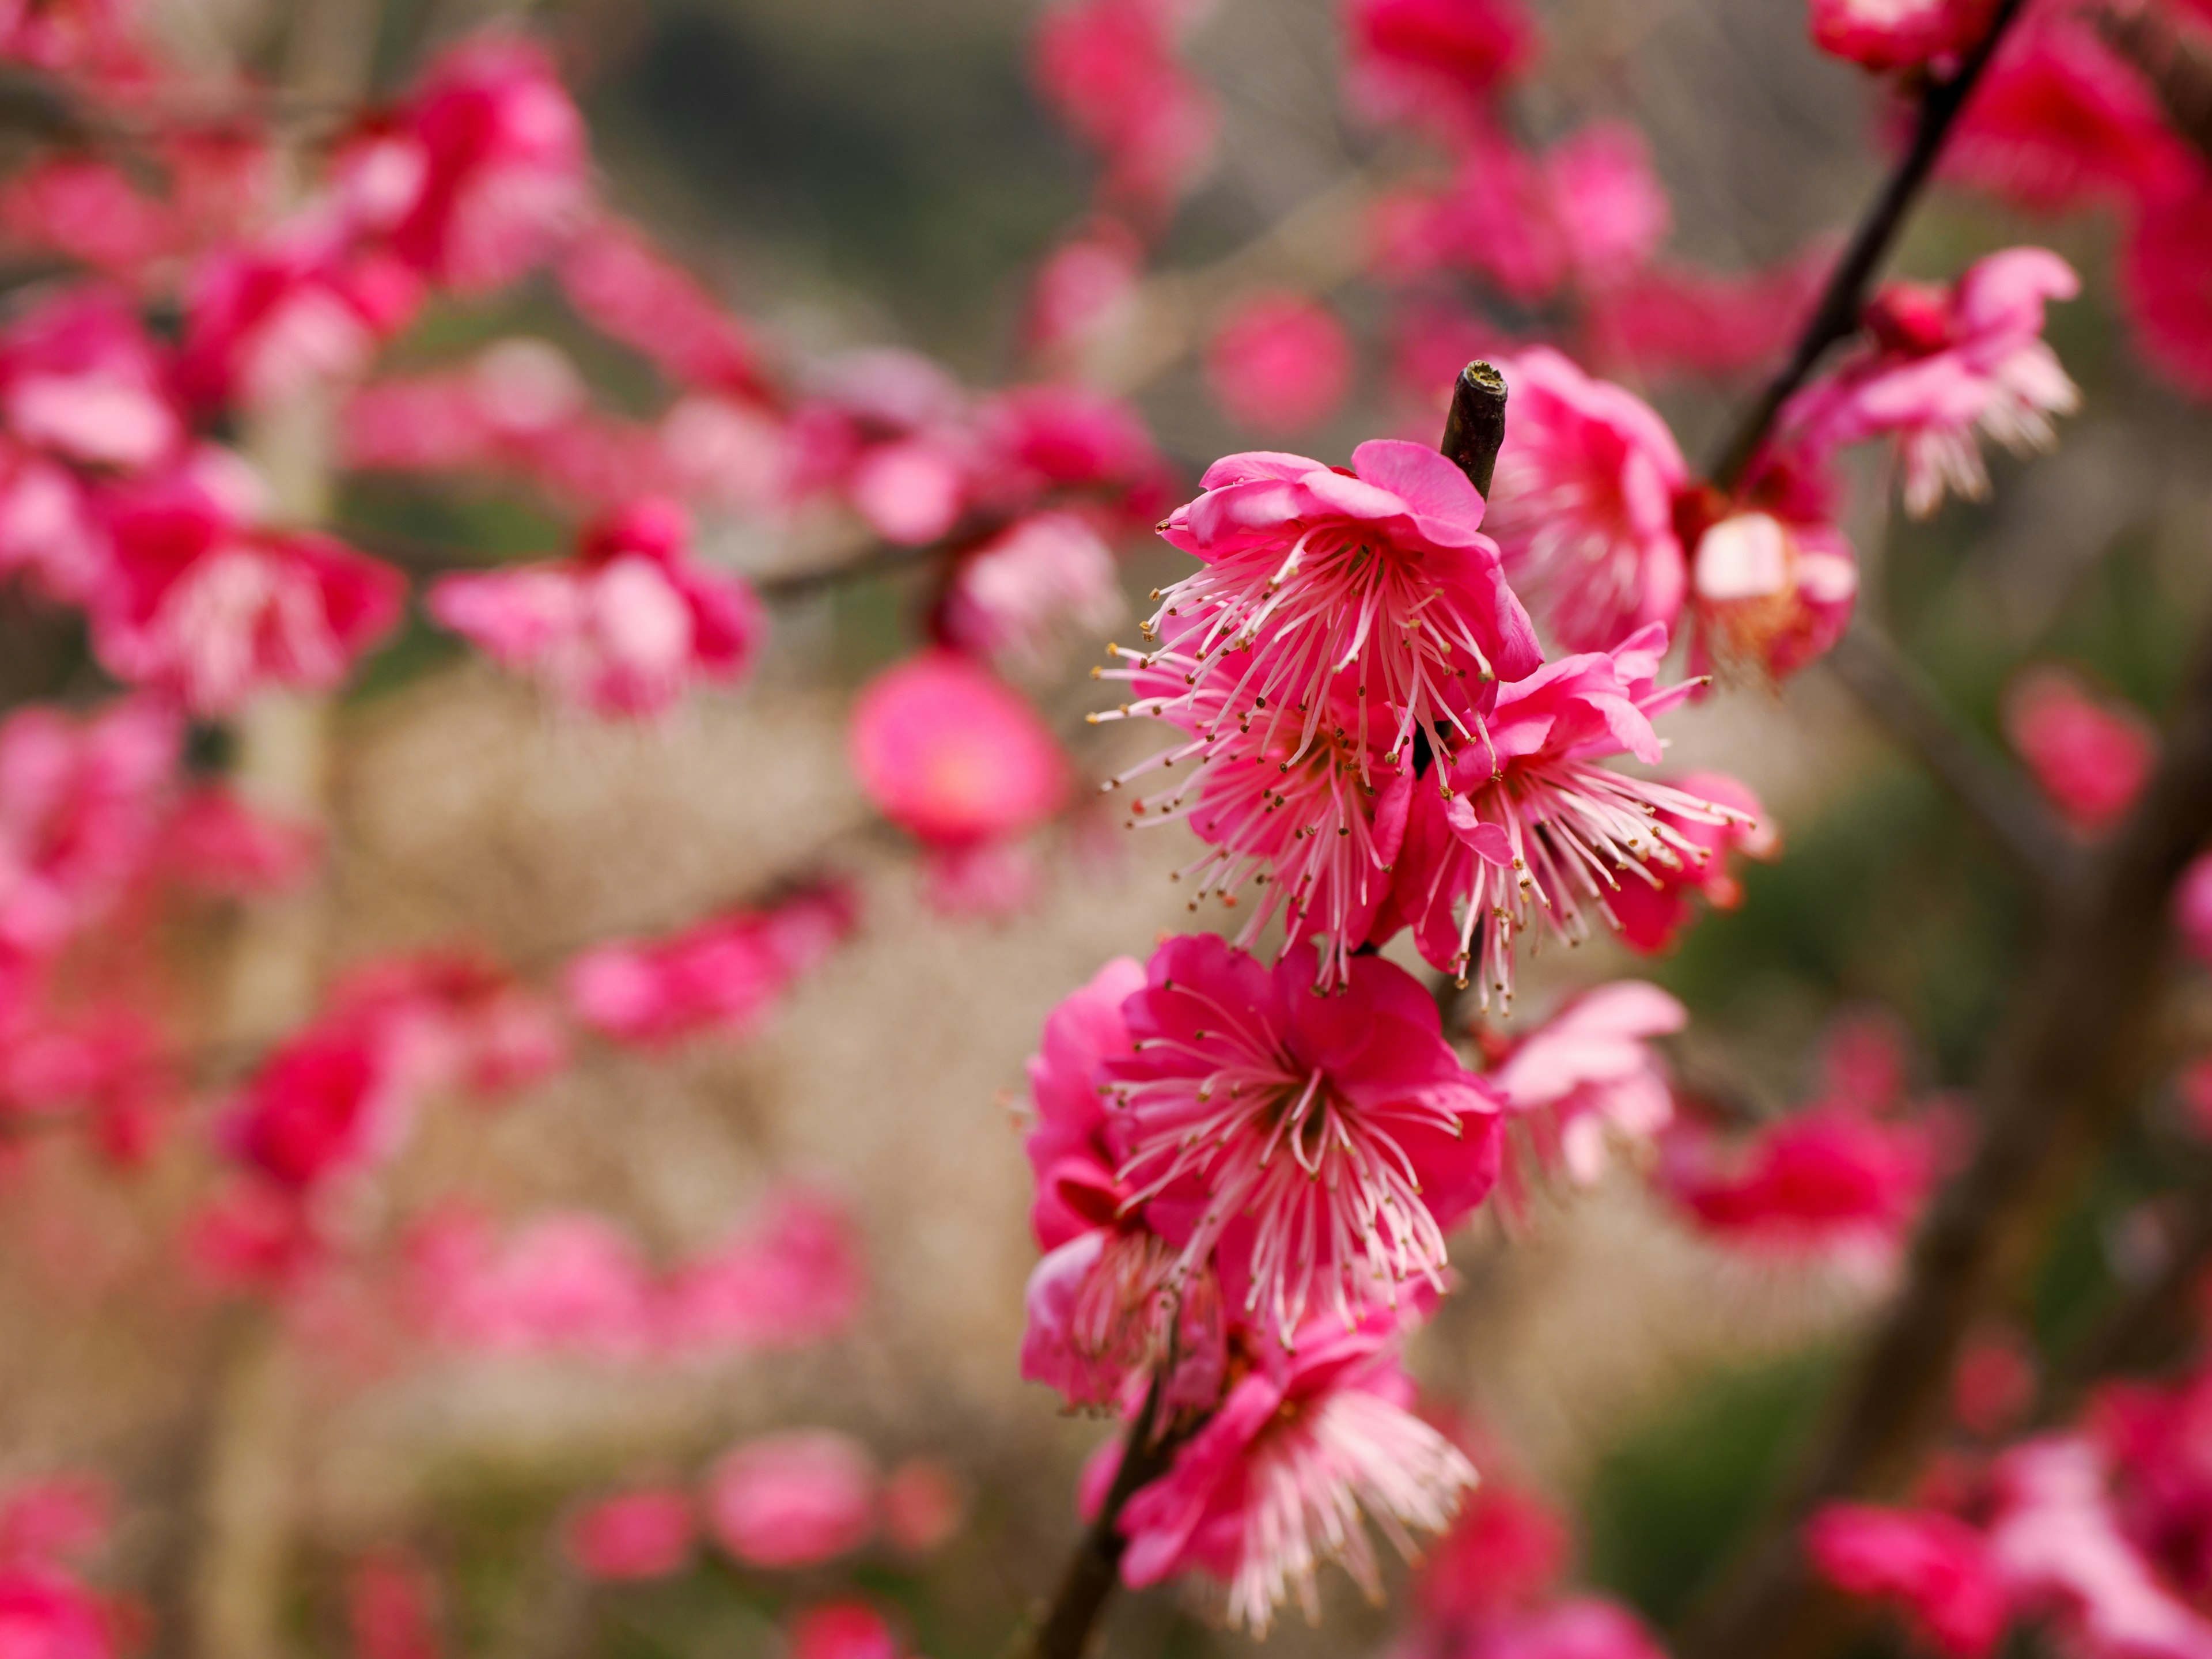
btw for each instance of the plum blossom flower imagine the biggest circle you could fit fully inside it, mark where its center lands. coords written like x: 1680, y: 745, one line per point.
x: 1279, y: 364
x: 46, y: 1614
x: 1311, y: 1441
x: 2192, y: 908
x: 1933, y: 1565
x: 2162, y: 266
x: 1082, y: 291
x: 452, y: 1019
x: 792, y: 1499
x: 843, y: 1630
x: 218, y: 844
x: 1669, y: 318
x: 1582, y: 505
x: 629, y: 291
x: 1435, y: 61
x: 643, y: 1533
x: 723, y: 974
x: 1940, y: 365
x: 790, y: 1277
x: 1652, y: 916
x: 55, y: 1520
x: 328, y: 1102
x: 1327, y: 1142
x: 1018, y: 596
x: 1070, y: 443
x: 392, y: 1606
x: 1525, y: 821
x: 2091, y: 756
x: 624, y: 628
x: 81, y: 380
x: 1893, y: 34
x: 889, y: 431
x: 923, y: 1502
x: 1379, y: 579
x: 201, y: 604
x: 1772, y: 580
x: 1108, y: 69
x: 1588, y: 1071
x: 303, y: 308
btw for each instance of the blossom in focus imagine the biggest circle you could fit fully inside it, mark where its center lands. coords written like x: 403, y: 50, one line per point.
x: 1531, y: 823
x: 2091, y: 756
x: 792, y: 1499
x: 204, y: 606
x: 1589, y: 1073
x: 2192, y: 908
x: 1892, y: 34
x: 1582, y: 504
x: 1651, y: 915
x: 1108, y: 69
x: 643, y: 1533
x: 1310, y: 1443
x: 624, y: 628
x: 1933, y: 1565
x: 1435, y: 61
x: 951, y: 755
x: 1941, y: 365
x: 723, y: 974
x: 1279, y: 364
x: 1021, y: 593
x: 1324, y: 1143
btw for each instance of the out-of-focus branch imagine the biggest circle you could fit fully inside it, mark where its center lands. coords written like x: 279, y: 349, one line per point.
x: 2061, y: 1072
x: 1835, y: 317
x: 2154, y: 1323
x: 1891, y: 688
x: 2177, y: 66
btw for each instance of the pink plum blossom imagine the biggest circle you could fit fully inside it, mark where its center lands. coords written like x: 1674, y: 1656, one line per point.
x: 630, y: 291
x: 1893, y: 34
x: 218, y: 844
x: 2091, y: 756
x: 1083, y: 288
x: 1327, y: 1141
x: 1309, y: 1442
x: 1279, y: 364
x: 569, y: 1283
x: 792, y: 1276
x: 624, y: 628
x: 453, y: 1019
x: 1589, y: 1071
x: 1435, y: 61
x: 81, y: 380
x: 1507, y: 1549
x: 725, y: 973
x: 1021, y: 593
x: 792, y: 1499
x: 1652, y: 916
x: 1935, y: 1566
x: 327, y: 1103
x: 643, y: 1533
x: 1583, y: 506
x: 924, y: 1503
x: 1672, y: 319
x: 55, y: 1521
x: 1572, y: 1627
x: 204, y: 606
x: 392, y: 1606
x: 843, y: 1630
x: 2162, y: 267
x: 1941, y: 365
x: 269, y: 322
x: 46, y: 1615
x: 1108, y: 69
x: 951, y: 755
x: 1071, y: 444
x: 1525, y: 821
x: 2192, y: 908
x: 1772, y: 580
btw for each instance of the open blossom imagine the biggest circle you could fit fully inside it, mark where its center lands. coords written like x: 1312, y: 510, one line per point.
x: 1582, y: 505
x: 1533, y: 826
x: 1310, y: 1443
x: 951, y: 755
x: 303, y: 308
x: 1379, y: 580
x: 1652, y: 916
x: 888, y: 430
x: 1934, y: 1565
x: 80, y: 379
x: 1772, y: 580
x: 1940, y: 366
x: 1108, y: 69
x: 792, y: 1499
x: 646, y: 1532
x: 1891, y: 34
x: 202, y: 605
x: 1435, y: 61
x: 1325, y: 1143
x: 1020, y: 594
x: 723, y: 974
x: 1279, y: 364
x: 2091, y: 756
x: 624, y: 628
x: 1589, y: 1071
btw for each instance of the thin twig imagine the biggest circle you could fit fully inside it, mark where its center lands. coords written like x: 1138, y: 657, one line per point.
x: 1836, y: 316
x: 1894, y: 691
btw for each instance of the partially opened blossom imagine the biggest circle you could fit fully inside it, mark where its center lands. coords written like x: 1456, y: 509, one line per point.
x: 2091, y: 756
x: 1108, y: 69
x: 1773, y: 579
x: 1379, y: 580
x: 792, y: 1499
x: 643, y: 1533
x: 1589, y: 1073
x: 1582, y: 505
x: 81, y: 378
x: 1310, y: 1445
x: 1279, y: 364
x: 1893, y: 34
x: 722, y: 975
x: 951, y: 754
x: 203, y: 605
x: 1940, y: 368
x: 1021, y: 593
x: 1936, y: 1568
x: 1652, y: 916
x: 1435, y: 61
x: 2162, y: 279
x: 1327, y: 1141
x: 1532, y: 826
x: 624, y: 628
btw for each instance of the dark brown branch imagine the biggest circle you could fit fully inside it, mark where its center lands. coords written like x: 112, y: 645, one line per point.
x: 1476, y: 426
x: 2061, y: 1071
x: 1891, y: 688
x: 1836, y: 316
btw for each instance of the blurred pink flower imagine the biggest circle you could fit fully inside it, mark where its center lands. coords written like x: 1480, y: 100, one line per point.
x: 1353, y: 1140
x: 452, y: 1019
x: 924, y: 1503
x: 1068, y: 441
x: 1589, y: 1073
x: 57, y: 1520
x: 624, y: 628
x: 1994, y: 1385
x: 1933, y: 1565
x: 2162, y: 266
x: 722, y: 975
x: 46, y: 1615
x: 267, y: 322
x: 202, y: 606
x: 1435, y: 61
x: 1279, y: 364
x: 792, y: 1276
x: 1021, y: 593
x: 646, y: 1532
x: 1582, y: 505
x: 1940, y: 366
x: 2192, y: 908
x: 1108, y: 69
x: 1651, y: 914
x: 328, y: 1102
x: 1080, y: 287
x: 792, y: 1499
x: 218, y: 844
x: 1892, y: 34
x: 951, y: 755
x: 49, y: 531
x: 1668, y: 319
x: 1572, y: 1627
x: 81, y: 378
x: 630, y: 291
x: 1507, y: 1549
x: 571, y: 1283
x: 392, y: 1606
x: 843, y: 1630
x: 1309, y: 1442
x: 2090, y: 754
